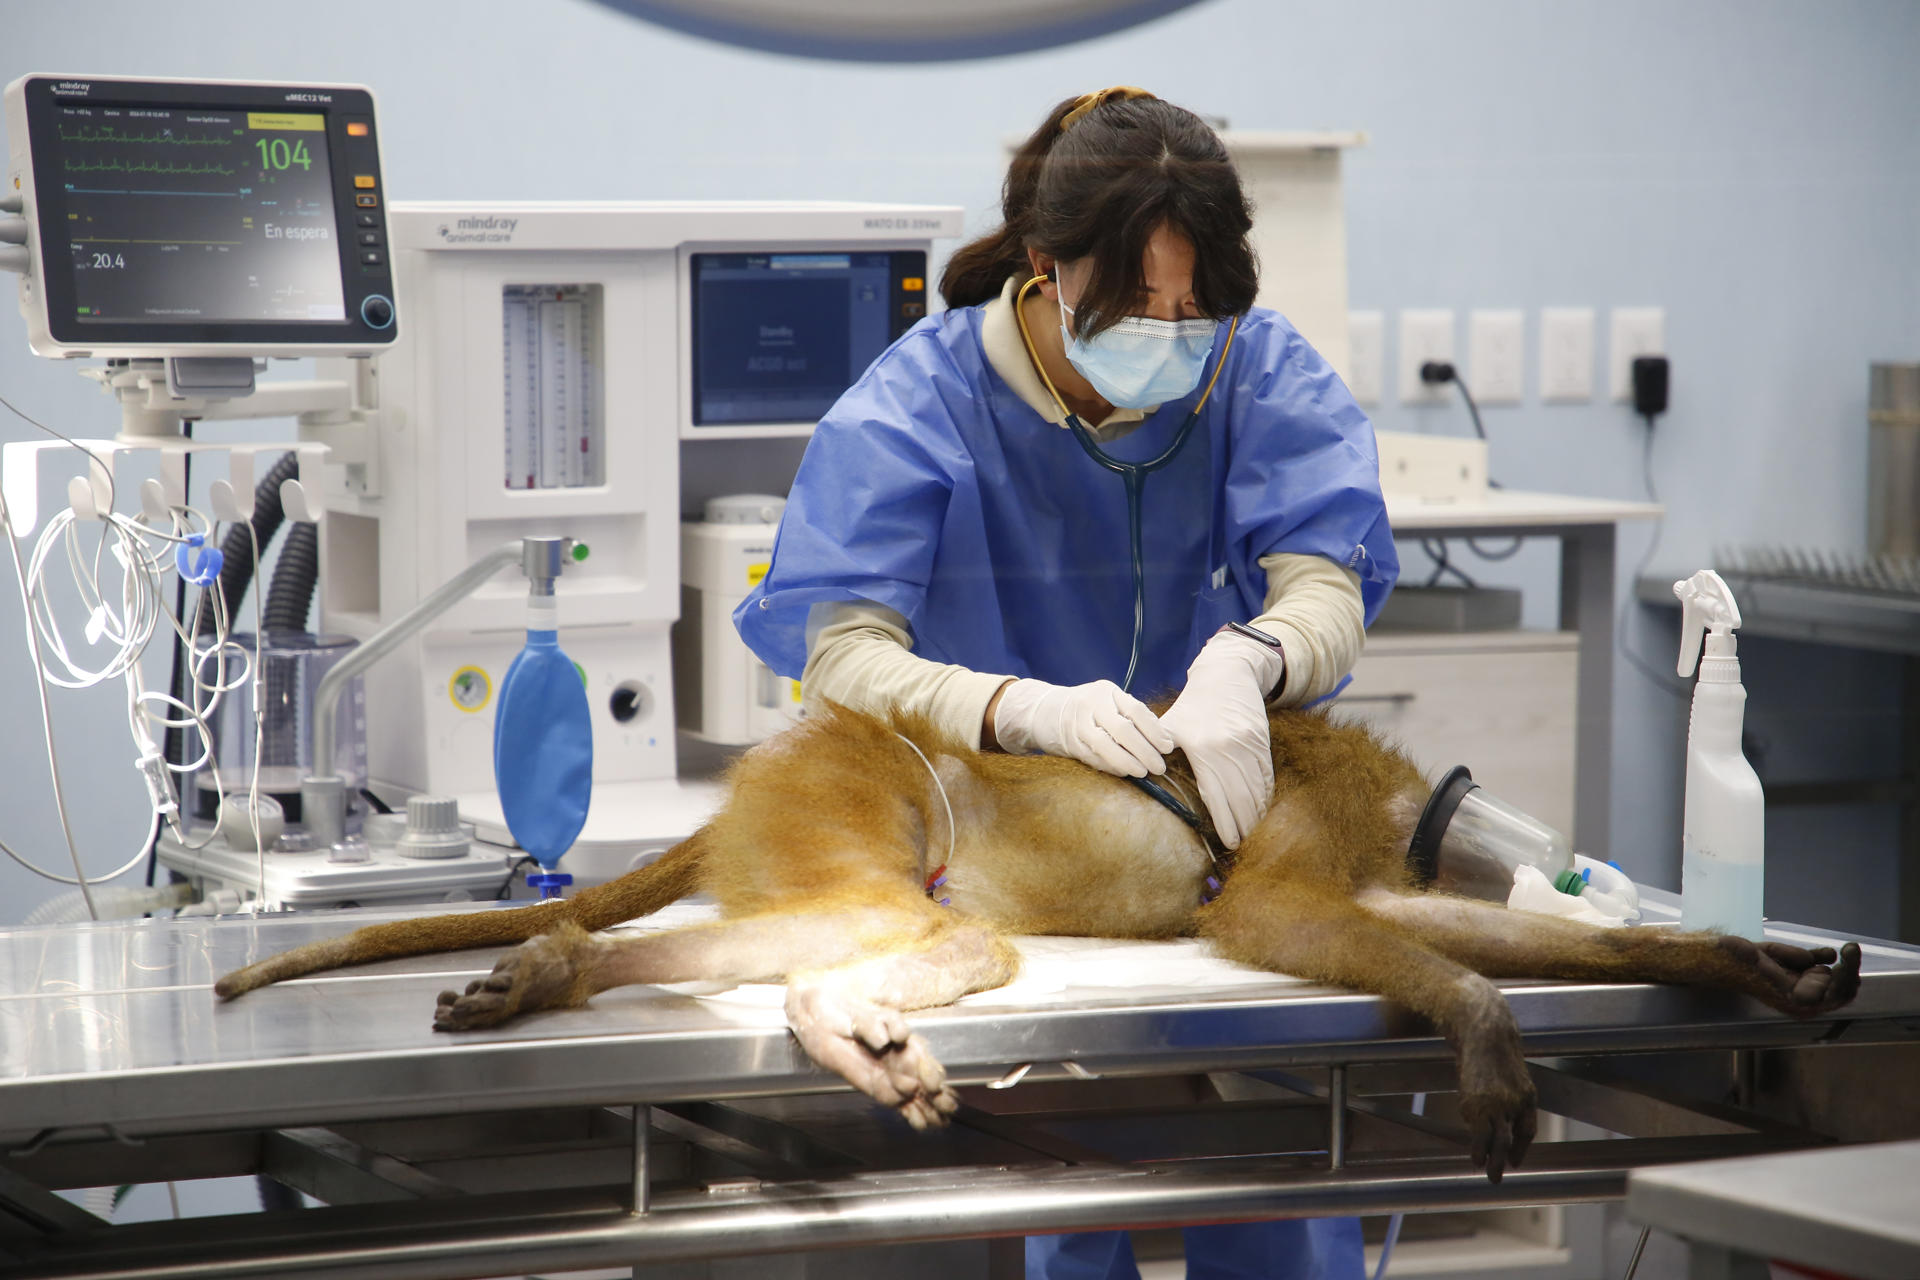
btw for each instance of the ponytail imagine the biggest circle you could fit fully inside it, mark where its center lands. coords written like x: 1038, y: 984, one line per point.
x: 978, y: 269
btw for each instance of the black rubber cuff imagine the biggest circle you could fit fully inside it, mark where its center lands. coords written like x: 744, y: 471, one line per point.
x: 1423, y: 851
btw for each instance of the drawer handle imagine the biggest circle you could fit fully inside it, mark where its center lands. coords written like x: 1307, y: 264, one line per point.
x: 1376, y: 697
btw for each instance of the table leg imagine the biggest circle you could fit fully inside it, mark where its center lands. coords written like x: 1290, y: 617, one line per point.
x: 1909, y: 870
x: 642, y: 1160
x: 1337, y: 1117
x: 1586, y: 606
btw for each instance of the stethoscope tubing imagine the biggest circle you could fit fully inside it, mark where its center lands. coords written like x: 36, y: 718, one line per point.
x: 1132, y: 474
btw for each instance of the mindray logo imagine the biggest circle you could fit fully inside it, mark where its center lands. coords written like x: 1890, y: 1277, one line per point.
x: 73, y: 86
x: 477, y: 230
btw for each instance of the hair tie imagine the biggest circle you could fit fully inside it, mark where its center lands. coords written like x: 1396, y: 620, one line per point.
x: 1088, y: 101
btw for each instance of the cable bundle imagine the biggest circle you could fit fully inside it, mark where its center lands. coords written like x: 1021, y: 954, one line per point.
x: 124, y: 616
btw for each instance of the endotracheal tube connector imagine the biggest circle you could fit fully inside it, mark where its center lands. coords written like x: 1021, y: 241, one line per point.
x: 543, y: 559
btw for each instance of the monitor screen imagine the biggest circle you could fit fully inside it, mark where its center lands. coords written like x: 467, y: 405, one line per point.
x: 777, y: 337
x: 198, y: 215
x: 184, y: 215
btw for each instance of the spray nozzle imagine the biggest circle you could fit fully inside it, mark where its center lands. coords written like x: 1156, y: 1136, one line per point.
x: 1706, y: 604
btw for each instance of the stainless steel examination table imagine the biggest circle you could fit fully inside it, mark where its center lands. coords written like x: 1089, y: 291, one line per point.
x: 1114, y: 1083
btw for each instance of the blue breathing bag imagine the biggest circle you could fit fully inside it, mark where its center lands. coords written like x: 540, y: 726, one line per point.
x: 543, y: 751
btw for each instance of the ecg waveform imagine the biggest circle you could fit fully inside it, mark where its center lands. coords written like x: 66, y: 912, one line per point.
x: 108, y: 133
x: 115, y: 166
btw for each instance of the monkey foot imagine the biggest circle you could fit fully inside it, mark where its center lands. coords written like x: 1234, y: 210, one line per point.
x: 540, y: 973
x: 1496, y: 1096
x: 1797, y: 980
x: 871, y: 1046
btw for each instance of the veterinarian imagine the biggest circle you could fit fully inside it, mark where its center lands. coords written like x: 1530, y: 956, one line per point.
x: 958, y: 541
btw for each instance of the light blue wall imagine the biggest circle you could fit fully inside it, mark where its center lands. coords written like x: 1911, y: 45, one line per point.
x: 1752, y: 167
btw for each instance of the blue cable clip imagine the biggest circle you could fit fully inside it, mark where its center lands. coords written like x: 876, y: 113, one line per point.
x: 200, y: 567
x: 549, y: 883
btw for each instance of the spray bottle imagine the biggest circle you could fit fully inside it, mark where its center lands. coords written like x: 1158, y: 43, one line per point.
x: 1723, y: 832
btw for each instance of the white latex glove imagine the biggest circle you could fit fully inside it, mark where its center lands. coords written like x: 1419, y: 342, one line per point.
x: 1220, y: 721
x: 1098, y: 724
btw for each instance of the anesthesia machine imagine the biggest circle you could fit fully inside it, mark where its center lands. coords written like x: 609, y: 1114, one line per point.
x: 564, y: 365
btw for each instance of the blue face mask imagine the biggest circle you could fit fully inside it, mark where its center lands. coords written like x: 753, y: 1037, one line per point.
x: 1140, y: 362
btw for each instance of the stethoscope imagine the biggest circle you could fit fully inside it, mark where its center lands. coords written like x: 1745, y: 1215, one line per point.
x: 1134, y: 474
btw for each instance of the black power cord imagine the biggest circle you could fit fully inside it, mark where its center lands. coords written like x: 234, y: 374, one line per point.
x: 1437, y: 373
x: 513, y: 869
x: 1651, y: 383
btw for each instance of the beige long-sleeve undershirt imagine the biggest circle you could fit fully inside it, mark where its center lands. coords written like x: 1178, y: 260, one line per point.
x: 859, y: 654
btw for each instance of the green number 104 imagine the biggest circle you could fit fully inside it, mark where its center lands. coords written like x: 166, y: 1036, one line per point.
x: 277, y: 153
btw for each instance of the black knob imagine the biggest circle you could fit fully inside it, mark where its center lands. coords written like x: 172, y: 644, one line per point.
x: 377, y: 311
x: 625, y: 704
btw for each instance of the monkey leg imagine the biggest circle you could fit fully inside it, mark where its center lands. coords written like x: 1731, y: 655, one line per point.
x: 1516, y: 944
x: 563, y: 968
x: 850, y: 1019
x: 1274, y: 916
x: 852, y: 973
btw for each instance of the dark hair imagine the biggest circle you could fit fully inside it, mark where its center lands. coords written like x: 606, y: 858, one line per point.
x: 1098, y: 190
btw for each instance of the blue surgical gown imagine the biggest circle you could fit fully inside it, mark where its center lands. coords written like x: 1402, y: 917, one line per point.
x: 933, y: 489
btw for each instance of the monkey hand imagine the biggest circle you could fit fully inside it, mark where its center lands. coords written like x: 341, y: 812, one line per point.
x: 1098, y: 724
x: 1220, y: 721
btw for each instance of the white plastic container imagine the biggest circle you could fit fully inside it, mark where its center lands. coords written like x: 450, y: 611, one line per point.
x: 722, y: 692
x: 1723, y: 835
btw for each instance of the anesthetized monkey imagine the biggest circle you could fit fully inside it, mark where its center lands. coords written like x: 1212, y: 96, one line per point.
x: 821, y: 854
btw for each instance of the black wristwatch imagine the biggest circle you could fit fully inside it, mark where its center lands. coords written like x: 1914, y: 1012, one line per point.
x: 1272, y: 642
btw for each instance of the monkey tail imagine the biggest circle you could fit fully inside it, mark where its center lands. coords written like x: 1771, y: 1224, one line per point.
x: 668, y: 878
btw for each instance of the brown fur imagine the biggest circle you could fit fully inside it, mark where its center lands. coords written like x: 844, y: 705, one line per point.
x: 819, y: 856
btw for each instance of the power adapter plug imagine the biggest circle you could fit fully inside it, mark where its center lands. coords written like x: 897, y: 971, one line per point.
x: 1650, y: 379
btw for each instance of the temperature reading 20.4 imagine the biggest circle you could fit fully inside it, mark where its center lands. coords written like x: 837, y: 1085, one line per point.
x: 278, y: 153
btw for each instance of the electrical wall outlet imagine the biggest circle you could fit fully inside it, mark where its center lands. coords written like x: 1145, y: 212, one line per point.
x: 1633, y: 331
x: 1566, y: 354
x: 1366, y: 354
x: 1424, y: 335
x: 1496, y: 355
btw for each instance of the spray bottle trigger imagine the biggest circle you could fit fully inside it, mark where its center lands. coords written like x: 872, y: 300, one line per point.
x: 1706, y: 604
x: 1692, y: 631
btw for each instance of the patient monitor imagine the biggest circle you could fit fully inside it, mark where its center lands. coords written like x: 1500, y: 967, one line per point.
x: 183, y: 218
x: 181, y: 231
